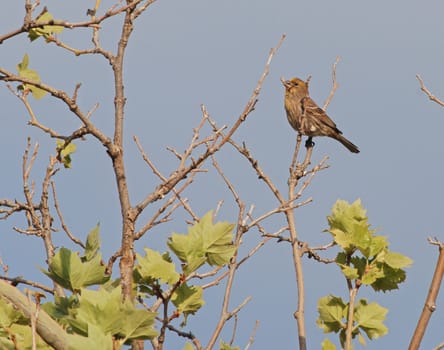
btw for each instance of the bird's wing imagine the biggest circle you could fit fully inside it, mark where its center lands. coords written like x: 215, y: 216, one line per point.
x: 310, y: 108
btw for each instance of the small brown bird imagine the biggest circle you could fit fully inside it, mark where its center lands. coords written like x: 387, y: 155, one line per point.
x: 307, y: 118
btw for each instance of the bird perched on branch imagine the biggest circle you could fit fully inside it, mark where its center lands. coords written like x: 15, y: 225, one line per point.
x: 307, y: 118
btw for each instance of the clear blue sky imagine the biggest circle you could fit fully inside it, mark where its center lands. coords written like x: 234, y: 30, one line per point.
x: 185, y: 53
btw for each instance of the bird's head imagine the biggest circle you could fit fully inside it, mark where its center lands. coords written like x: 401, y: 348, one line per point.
x: 295, y: 85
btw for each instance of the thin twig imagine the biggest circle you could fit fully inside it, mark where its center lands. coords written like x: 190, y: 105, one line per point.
x: 334, y: 85
x: 62, y: 221
x: 19, y: 280
x: 427, y: 91
x: 252, y: 336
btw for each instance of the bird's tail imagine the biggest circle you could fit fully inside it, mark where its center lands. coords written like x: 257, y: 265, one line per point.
x: 350, y: 145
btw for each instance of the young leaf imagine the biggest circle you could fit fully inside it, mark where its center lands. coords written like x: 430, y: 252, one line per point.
x: 370, y: 317
x: 44, y: 31
x: 92, y: 243
x: 155, y: 266
x: 390, y: 280
x: 397, y: 260
x: 67, y: 269
x: 225, y: 346
x: 95, y: 339
x: 188, y: 299
x: 65, y: 152
x: 328, y: 345
x: 31, y: 74
x: 21, y: 337
x: 9, y: 315
x: 205, y: 243
x: 105, y: 311
x: 188, y: 346
x: 331, y: 311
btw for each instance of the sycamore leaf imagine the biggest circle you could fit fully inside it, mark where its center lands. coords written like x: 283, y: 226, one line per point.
x: 9, y: 315
x: 372, y: 274
x: 31, y: 74
x: 104, y: 310
x: 331, y: 311
x: 370, y: 317
x: 95, y: 339
x: 345, y: 216
x: 188, y: 346
x: 205, y: 243
x: 156, y: 266
x: 376, y: 245
x: 67, y: 269
x: 361, y: 340
x: 188, y: 299
x: 328, y: 345
x: 397, y: 260
x: 390, y: 280
x: 349, y: 272
x: 44, y: 31
x: 225, y: 346
x: 92, y: 243
x: 65, y: 152
x: 21, y: 337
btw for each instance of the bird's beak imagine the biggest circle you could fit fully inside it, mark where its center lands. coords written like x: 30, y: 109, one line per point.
x: 286, y: 83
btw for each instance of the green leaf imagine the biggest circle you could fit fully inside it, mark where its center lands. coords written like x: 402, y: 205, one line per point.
x: 350, y: 272
x: 188, y: 346
x: 9, y: 315
x: 331, y: 311
x: 104, y: 310
x: 67, y: 269
x: 390, y: 280
x: 345, y: 216
x: 397, y: 260
x: 96, y: 339
x: 25, y: 72
x: 376, y: 245
x: 155, y: 266
x: 373, y: 273
x: 205, y: 243
x: 92, y: 243
x: 22, y: 338
x: 328, y: 345
x: 62, y: 307
x: 44, y: 31
x: 370, y: 317
x: 361, y: 340
x: 65, y: 151
x: 225, y: 346
x: 188, y: 299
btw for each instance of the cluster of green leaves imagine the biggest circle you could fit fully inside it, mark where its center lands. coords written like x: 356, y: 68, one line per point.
x: 47, y: 32
x: 64, y: 150
x: 98, y: 318
x: 13, y: 323
x: 206, y: 243
x: 364, y: 259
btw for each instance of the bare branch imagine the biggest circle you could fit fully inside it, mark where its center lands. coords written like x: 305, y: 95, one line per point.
x: 95, y: 22
x: 334, y: 86
x: 427, y: 91
x: 62, y: 221
x: 430, y: 302
x: 252, y: 336
x: 15, y: 281
x: 181, y: 173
